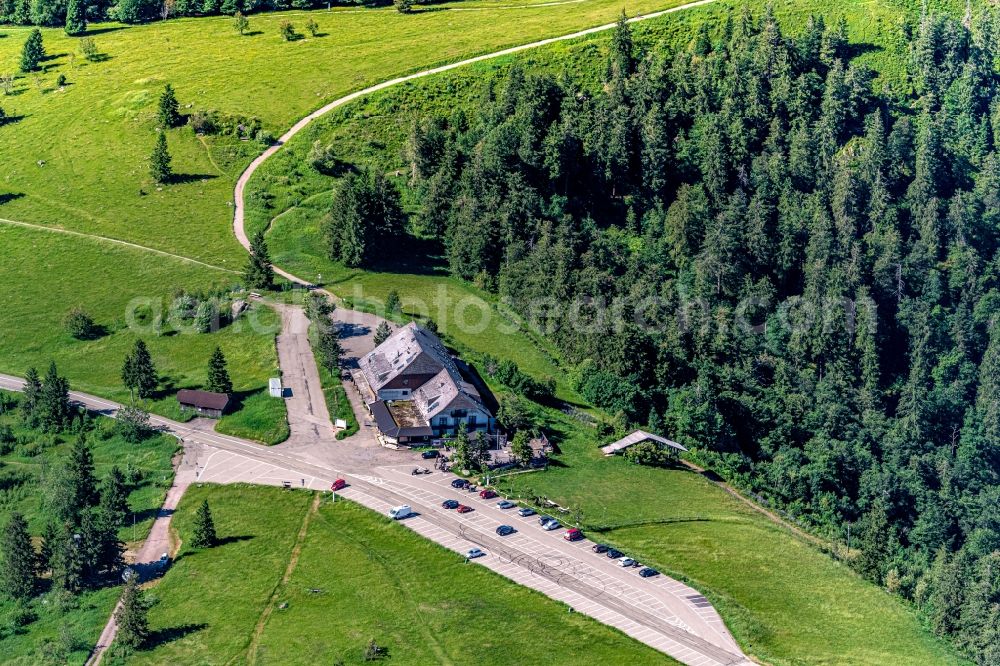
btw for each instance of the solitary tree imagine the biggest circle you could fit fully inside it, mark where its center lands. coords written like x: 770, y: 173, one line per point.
x: 287, y: 31
x: 218, y: 374
x: 138, y: 371
x: 241, y: 23
x: 403, y: 6
x: 33, y: 51
x: 520, y: 448
x: 312, y: 27
x: 204, y: 527
x: 382, y: 333
x: 76, y: 17
x: 330, y: 350
x: 79, y: 324
x: 392, y: 303
x: 168, y: 112
x: 159, y: 161
x: 258, y: 273
x: 131, y: 616
x: 18, y: 562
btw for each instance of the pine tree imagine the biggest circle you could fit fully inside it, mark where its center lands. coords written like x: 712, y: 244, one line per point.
x: 622, y: 48
x: 159, y: 160
x: 168, y: 111
x: 53, y: 401
x: 204, y: 528
x: 18, y: 562
x: 114, y: 498
x: 218, y: 374
x: 258, y: 273
x: 32, y: 394
x: 33, y: 52
x: 138, y: 371
x: 67, y: 562
x: 131, y: 616
x: 392, y: 303
x: 50, y: 537
x: 382, y: 333
x: 76, y: 17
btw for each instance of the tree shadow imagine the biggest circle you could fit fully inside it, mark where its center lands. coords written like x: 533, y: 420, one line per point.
x: 855, y: 50
x: 10, y: 120
x: 183, y: 178
x: 102, y: 31
x: 253, y: 33
x: 225, y: 541
x: 96, y: 332
x: 238, y: 398
x: 163, y: 636
x: 7, y: 197
x: 98, y: 57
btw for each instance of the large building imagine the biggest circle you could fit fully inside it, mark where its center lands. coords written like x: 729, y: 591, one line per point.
x: 416, y: 391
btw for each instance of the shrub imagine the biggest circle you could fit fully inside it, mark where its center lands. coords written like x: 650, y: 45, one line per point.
x: 312, y: 27
x: 61, y: 80
x: 132, y: 423
x: 403, y: 6
x: 287, y: 31
x: 651, y: 454
x: 79, y: 324
x: 88, y: 49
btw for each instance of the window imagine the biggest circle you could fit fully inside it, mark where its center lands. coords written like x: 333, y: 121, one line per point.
x: 459, y: 413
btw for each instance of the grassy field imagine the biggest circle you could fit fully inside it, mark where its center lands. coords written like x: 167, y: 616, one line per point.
x: 785, y: 601
x: 49, y: 273
x: 73, y: 625
x: 330, y: 583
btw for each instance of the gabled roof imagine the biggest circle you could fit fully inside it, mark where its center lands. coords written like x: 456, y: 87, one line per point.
x: 444, y: 392
x: 202, y: 399
x: 635, y: 438
x: 388, y: 426
x: 411, y: 350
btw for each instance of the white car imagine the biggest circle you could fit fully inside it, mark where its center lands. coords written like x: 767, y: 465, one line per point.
x: 474, y: 553
x: 551, y: 525
x: 627, y: 562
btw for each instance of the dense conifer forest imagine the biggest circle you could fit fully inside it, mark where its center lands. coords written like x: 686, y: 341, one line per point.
x: 759, y: 248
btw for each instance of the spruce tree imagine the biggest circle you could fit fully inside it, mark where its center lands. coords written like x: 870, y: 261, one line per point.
x: 32, y: 394
x: 131, y: 616
x: 168, y: 112
x: 330, y: 350
x: 18, y: 562
x: 33, y: 52
x: 159, y: 160
x: 138, y: 372
x: 382, y: 333
x: 204, y: 528
x: 67, y: 562
x: 114, y: 498
x: 258, y: 273
x: 80, y: 475
x: 392, y: 303
x: 76, y: 17
x: 218, y: 374
x: 53, y: 401
x: 50, y: 537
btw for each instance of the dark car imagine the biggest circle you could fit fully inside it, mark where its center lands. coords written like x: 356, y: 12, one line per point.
x: 646, y: 572
x: 504, y: 530
x: 427, y: 455
x: 459, y: 483
x: 614, y: 554
x: 450, y: 504
x: 600, y: 548
x: 525, y: 511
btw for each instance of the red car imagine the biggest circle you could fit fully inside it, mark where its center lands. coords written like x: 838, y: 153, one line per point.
x: 339, y: 484
x: 573, y: 535
x: 487, y: 494
x: 463, y: 509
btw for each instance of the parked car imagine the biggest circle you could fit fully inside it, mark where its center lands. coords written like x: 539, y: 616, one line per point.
x: 505, y: 504
x: 400, y: 512
x: 459, y: 483
x: 525, y: 511
x: 544, y: 519
x: 474, y: 553
x: 551, y: 525
x: 449, y: 504
x: 487, y: 494
x: 646, y: 572
x: 573, y: 534
x: 339, y: 484
x: 461, y: 508
x: 614, y: 554
x: 504, y: 530
x: 627, y: 562
x: 600, y: 548
x: 428, y: 455
x: 419, y: 470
